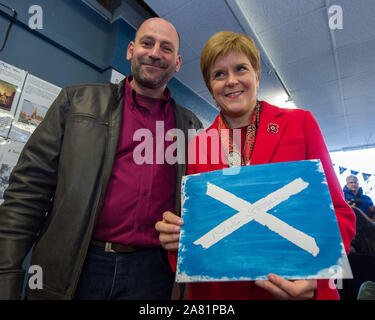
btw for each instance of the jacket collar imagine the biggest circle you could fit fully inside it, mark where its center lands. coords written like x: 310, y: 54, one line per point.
x: 270, y: 130
x: 117, y: 99
x: 118, y: 90
x: 347, y: 190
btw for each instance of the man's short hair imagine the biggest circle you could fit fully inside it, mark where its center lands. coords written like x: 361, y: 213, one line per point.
x: 351, y: 177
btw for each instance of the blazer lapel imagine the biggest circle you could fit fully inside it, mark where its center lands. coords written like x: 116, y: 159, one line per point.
x: 271, y: 128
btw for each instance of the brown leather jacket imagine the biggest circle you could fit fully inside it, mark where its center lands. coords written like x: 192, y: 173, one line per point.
x: 56, y: 191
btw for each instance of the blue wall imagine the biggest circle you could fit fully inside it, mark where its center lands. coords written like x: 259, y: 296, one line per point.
x: 77, y: 45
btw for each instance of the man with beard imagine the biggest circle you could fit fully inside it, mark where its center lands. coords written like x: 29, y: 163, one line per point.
x: 78, y: 195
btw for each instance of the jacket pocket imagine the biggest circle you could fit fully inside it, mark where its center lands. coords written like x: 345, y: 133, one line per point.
x: 81, y: 117
x: 290, y: 152
x: 292, y: 141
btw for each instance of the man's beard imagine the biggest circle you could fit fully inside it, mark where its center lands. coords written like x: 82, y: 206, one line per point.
x: 152, y: 83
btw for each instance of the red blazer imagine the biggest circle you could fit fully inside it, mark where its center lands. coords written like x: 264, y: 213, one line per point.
x: 283, y: 135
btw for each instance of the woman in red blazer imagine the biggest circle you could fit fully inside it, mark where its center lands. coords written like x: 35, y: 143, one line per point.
x: 230, y: 65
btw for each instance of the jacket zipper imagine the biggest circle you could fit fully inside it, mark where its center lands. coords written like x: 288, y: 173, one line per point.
x: 100, y: 200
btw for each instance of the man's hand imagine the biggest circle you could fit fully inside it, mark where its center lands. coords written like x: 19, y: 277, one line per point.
x: 351, y: 203
x: 288, y: 290
x: 169, y: 230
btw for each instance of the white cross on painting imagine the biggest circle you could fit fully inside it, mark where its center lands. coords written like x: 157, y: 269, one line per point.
x: 258, y: 212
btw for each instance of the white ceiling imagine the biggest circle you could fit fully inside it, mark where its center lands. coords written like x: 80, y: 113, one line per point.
x: 329, y: 72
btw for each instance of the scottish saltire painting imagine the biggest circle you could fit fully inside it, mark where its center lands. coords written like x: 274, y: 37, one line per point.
x: 246, y: 222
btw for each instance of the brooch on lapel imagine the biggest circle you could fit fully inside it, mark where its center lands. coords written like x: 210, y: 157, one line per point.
x: 273, y: 128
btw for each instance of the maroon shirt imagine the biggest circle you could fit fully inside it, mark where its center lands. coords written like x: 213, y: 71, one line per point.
x: 137, y: 195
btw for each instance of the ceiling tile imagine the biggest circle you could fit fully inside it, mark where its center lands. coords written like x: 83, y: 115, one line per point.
x: 361, y: 120
x: 187, y: 52
x: 310, y: 71
x: 358, y: 22
x: 362, y: 84
x: 268, y: 14
x: 197, y: 21
x: 164, y: 7
x: 359, y: 136
x: 323, y: 95
x: 296, y: 36
x: 364, y: 105
x: 335, y: 131
x: 355, y: 58
x: 298, y: 40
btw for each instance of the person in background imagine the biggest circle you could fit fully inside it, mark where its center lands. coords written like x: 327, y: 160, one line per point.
x: 371, y: 213
x: 367, y: 291
x: 230, y: 65
x: 354, y: 195
x: 79, y: 197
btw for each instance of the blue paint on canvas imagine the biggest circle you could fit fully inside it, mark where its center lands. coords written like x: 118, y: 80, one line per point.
x: 253, y: 250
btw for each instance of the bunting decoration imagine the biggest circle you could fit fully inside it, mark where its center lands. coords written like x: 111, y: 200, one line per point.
x: 342, y: 169
x: 366, y: 176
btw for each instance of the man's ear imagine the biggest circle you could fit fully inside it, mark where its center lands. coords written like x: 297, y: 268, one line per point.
x: 129, y: 51
x: 178, y: 63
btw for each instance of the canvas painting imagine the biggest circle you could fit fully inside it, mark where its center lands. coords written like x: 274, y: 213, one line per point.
x: 246, y: 222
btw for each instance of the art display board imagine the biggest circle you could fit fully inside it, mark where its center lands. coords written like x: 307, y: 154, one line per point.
x: 11, y: 83
x: 36, y: 98
x: 9, y: 154
x: 243, y: 223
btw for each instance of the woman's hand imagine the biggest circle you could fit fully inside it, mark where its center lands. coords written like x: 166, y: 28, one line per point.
x: 288, y: 290
x: 169, y: 230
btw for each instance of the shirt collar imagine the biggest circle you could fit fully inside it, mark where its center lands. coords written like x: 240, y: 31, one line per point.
x: 132, y: 95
